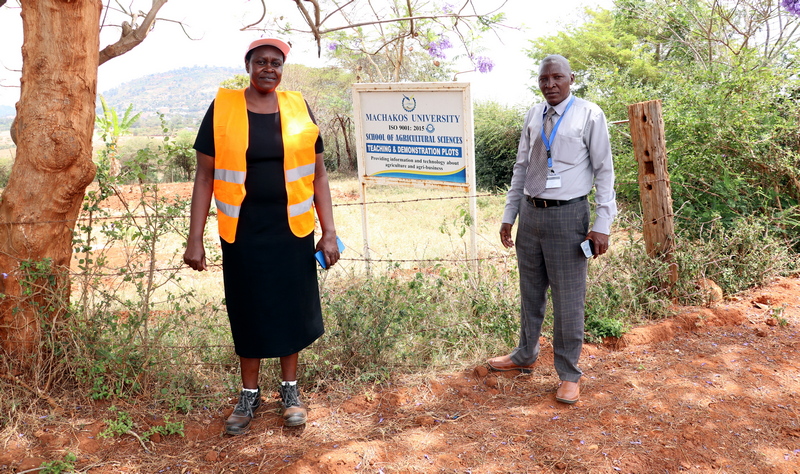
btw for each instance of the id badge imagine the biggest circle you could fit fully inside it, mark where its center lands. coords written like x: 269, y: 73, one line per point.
x: 553, y: 181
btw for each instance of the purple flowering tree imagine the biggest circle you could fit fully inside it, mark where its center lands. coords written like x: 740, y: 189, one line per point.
x: 394, y: 40
x: 436, y: 48
x: 792, y: 6
x: 484, y: 64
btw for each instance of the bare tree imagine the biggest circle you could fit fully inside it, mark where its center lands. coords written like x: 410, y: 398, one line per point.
x: 705, y: 31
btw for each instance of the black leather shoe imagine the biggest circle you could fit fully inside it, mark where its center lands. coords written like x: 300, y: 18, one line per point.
x: 294, y: 410
x: 242, y: 415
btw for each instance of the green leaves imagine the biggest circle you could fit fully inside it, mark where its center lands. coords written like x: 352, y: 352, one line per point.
x: 238, y: 81
x: 727, y: 80
x: 67, y: 465
x: 497, y: 132
x: 111, y: 127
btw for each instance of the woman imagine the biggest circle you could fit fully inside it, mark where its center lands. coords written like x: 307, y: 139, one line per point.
x: 260, y: 154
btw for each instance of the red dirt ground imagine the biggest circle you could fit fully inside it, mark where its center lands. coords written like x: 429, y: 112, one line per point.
x: 711, y: 390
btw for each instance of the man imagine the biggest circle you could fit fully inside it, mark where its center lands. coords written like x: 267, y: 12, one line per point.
x: 557, y: 165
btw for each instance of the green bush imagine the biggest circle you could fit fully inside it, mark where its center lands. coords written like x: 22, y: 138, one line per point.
x: 598, y: 328
x: 376, y: 325
x: 128, y: 323
x: 497, y: 133
x: 626, y: 285
x: 747, y: 253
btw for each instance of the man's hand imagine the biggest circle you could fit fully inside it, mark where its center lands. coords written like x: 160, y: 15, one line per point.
x: 600, y: 242
x: 505, y: 235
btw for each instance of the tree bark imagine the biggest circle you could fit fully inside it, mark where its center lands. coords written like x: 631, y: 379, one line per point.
x: 53, y: 167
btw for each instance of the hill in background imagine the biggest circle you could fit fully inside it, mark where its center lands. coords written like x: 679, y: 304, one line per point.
x: 184, y: 93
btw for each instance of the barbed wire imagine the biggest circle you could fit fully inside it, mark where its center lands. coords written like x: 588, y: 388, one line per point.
x: 82, y: 218
x: 233, y: 364
x: 121, y: 271
x: 139, y: 273
x: 185, y: 216
x: 416, y: 200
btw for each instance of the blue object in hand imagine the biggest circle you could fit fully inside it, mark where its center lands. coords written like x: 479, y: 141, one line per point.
x: 321, y: 258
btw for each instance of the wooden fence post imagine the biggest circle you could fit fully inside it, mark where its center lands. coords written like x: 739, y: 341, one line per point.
x: 649, y: 148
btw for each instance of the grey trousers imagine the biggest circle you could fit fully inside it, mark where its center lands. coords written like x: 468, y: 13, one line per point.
x: 549, y: 255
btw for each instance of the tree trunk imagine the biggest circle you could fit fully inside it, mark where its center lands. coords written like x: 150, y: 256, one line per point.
x: 351, y: 158
x: 53, y: 167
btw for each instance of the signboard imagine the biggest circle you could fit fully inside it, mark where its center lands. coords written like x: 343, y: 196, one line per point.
x: 417, y: 134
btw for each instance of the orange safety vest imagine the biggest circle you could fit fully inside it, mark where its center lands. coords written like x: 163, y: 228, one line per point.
x: 230, y: 166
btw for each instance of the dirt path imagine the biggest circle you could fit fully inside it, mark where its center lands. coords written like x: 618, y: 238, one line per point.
x: 713, y: 390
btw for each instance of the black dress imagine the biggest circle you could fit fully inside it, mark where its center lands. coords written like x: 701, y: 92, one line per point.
x: 270, y: 274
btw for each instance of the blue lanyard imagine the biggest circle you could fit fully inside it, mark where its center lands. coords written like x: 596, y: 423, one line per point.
x: 547, y: 141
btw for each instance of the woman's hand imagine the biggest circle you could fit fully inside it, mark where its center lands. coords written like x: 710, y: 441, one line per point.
x: 329, y: 248
x: 195, y: 256
x: 324, y: 206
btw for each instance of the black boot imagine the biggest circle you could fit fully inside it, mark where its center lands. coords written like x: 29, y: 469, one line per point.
x: 239, y: 420
x: 294, y: 410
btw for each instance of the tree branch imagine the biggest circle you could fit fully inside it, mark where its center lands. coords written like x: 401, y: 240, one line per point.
x: 131, y: 36
x: 410, y: 13
x: 263, y: 14
x: 315, y: 23
x: 133, y: 433
x: 312, y: 23
x: 388, y: 20
x: 50, y: 401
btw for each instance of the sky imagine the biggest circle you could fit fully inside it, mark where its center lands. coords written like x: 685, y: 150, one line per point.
x: 218, y: 41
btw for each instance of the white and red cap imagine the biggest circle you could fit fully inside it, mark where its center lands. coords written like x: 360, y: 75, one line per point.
x: 274, y: 42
